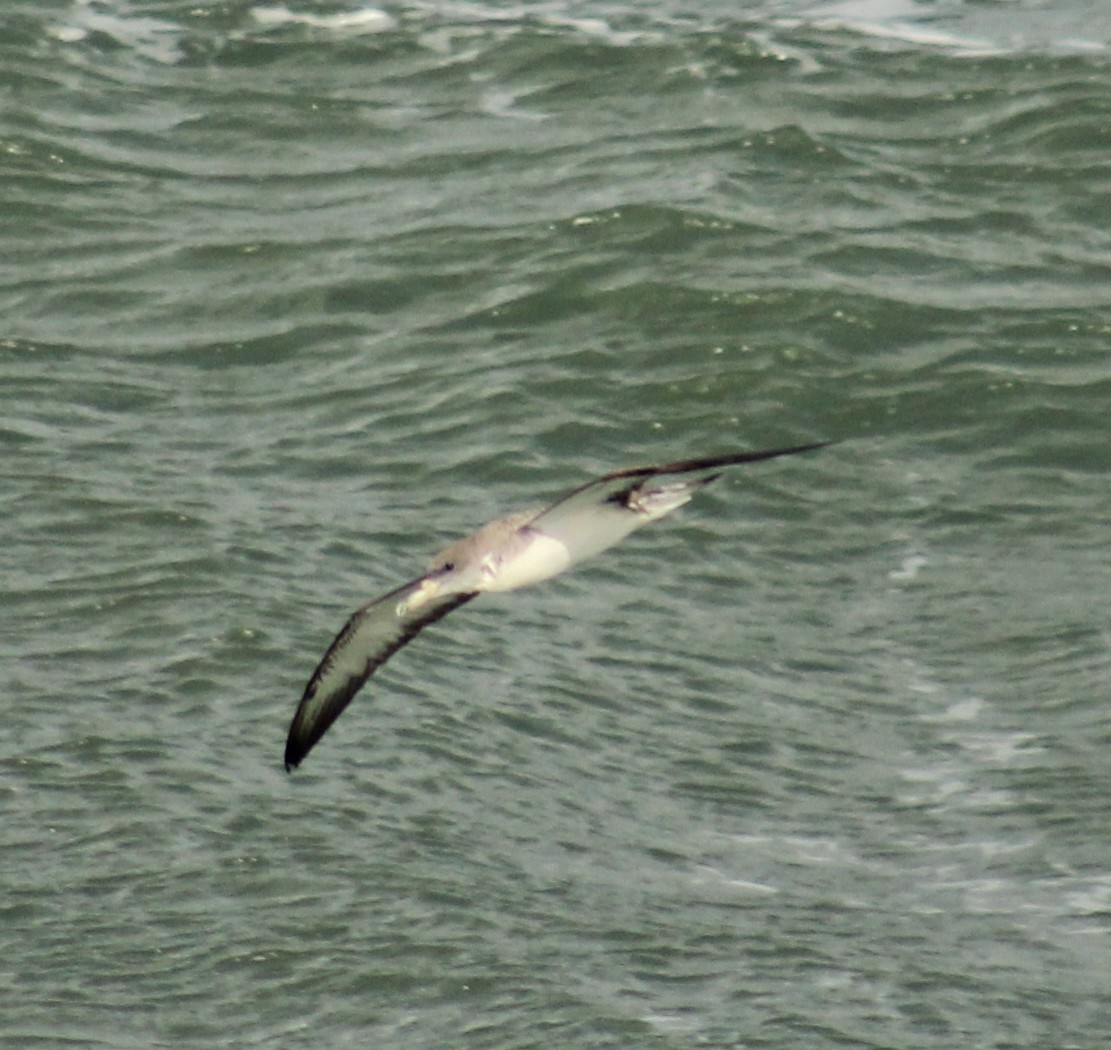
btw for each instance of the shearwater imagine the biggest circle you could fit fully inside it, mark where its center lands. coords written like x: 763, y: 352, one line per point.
x: 511, y: 552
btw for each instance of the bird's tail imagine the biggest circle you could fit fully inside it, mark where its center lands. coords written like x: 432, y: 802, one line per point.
x: 657, y: 500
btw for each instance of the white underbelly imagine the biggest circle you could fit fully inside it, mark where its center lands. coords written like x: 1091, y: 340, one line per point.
x: 539, y: 558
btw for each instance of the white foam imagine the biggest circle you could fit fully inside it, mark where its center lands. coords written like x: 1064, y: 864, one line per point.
x: 151, y: 37
x: 908, y: 567
x: 366, y: 20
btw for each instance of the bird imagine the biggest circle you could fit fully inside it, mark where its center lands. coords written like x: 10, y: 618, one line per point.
x: 511, y: 552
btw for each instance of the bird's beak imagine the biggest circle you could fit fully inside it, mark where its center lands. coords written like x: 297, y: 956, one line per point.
x: 428, y: 590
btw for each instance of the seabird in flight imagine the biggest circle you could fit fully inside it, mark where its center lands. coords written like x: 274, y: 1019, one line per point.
x: 512, y: 552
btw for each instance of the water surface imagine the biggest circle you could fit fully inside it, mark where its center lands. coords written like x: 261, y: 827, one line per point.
x: 292, y: 295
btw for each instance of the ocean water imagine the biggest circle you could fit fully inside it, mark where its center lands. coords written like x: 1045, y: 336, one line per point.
x: 292, y: 294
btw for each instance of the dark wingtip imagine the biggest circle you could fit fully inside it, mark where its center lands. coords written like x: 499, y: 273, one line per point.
x: 297, y: 747
x: 295, y: 750
x: 728, y: 460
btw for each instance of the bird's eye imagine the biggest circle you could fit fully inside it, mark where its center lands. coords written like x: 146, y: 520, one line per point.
x: 448, y: 566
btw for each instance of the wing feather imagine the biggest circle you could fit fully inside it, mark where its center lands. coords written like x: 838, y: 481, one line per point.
x: 609, y: 484
x: 595, y: 516
x: 369, y: 638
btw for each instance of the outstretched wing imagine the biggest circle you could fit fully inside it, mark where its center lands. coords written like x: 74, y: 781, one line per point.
x: 600, y: 513
x: 372, y: 635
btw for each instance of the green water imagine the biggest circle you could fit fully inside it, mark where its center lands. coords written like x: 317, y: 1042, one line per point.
x: 292, y: 296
